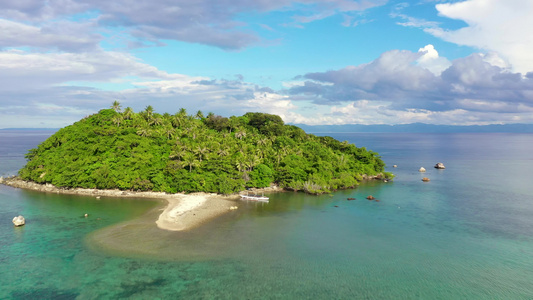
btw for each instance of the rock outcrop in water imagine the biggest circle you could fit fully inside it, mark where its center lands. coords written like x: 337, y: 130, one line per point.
x: 19, y: 221
x: 440, y: 166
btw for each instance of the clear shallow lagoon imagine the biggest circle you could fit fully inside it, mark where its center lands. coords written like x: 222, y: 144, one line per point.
x: 466, y: 234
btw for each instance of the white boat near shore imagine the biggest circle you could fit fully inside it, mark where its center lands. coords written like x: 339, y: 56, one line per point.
x: 249, y: 197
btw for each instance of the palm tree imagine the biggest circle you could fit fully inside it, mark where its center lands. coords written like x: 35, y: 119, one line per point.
x: 169, y: 132
x: 260, y: 152
x: 252, y: 161
x: 117, y: 120
x: 149, y: 112
x: 176, y: 120
x: 241, y: 164
x: 263, y: 141
x: 201, y: 151
x: 200, y: 114
x: 192, y: 131
x: 191, y: 161
x: 128, y: 113
x: 223, y: 152
x: 281, y: 152
x: 240, y: 134
x: 233, y: 123
x: 143, y: 132
x: 182, y: 112
x: 177, y: 154
x: 342, y: 161
x: 140, y: 123
x: 157, y: 120
x: 116, y: 106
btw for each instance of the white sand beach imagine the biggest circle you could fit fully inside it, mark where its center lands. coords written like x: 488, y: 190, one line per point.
x: 188, y: 211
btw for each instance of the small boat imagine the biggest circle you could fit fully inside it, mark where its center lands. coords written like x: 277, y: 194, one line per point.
x: 249, y: 197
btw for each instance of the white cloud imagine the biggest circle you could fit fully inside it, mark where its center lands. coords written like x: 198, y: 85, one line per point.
x: 493, y: 25
x: 67, y: 36
x: 20, y: 69
x: 38, y: 10
x: 39, y: 84
x: 432, y: 61
x: 398, y: 88
x: 210, y: 22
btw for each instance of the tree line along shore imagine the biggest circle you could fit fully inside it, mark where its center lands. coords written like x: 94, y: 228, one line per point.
x: 171, y: 153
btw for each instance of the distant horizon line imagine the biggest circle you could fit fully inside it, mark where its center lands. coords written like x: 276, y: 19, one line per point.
x: 418, y: 128
x: 376, y: 128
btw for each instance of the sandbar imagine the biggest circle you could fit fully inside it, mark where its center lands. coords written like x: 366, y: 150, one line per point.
x: 184, y: 212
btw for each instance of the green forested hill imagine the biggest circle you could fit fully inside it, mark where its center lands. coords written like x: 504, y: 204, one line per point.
x: 175, y: 153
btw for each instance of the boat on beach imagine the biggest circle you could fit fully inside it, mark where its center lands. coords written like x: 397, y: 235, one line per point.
x: 253, y: 197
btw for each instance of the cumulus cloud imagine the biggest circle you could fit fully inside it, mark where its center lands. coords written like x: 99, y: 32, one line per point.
x: 431, y: 60
x: 404, y: 85
x: 493, y: 26
x: 395, y: 88
x: 48, y: 85
x: 61, y: 73
x: 394, y: 75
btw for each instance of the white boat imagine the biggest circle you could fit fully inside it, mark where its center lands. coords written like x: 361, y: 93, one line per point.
x: 249, y: 197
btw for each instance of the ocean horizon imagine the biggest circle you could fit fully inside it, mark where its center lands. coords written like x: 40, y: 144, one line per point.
x: 465, y: 234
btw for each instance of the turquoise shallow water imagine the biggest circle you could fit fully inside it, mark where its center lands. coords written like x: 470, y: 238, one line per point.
x: 466, y: 234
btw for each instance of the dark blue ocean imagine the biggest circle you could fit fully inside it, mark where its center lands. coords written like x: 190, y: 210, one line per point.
x: 466, y: 234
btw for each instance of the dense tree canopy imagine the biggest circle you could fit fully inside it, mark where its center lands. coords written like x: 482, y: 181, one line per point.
x: 176, y: 153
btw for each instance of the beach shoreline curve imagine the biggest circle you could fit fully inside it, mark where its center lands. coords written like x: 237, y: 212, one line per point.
x: 183, y: 211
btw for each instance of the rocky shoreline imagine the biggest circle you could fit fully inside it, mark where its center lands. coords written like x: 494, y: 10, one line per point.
x: 16, y: 182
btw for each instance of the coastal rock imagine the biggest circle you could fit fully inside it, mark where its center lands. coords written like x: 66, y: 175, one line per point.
x: 370, y: 197
x: 422, y: 169
x: 372, y: 177
x: 349, y: 199
x: 19, y: 221
x: 440, y: 166
x: 425, y: 179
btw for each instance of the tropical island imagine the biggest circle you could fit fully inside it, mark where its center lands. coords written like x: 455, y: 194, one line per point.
x: 160, y: 154
x: 147, y: 151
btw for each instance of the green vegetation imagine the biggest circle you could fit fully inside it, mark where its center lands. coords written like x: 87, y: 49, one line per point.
x: 174, y: 153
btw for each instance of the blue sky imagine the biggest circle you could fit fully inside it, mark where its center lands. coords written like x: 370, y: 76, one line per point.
x: 309, y: 61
